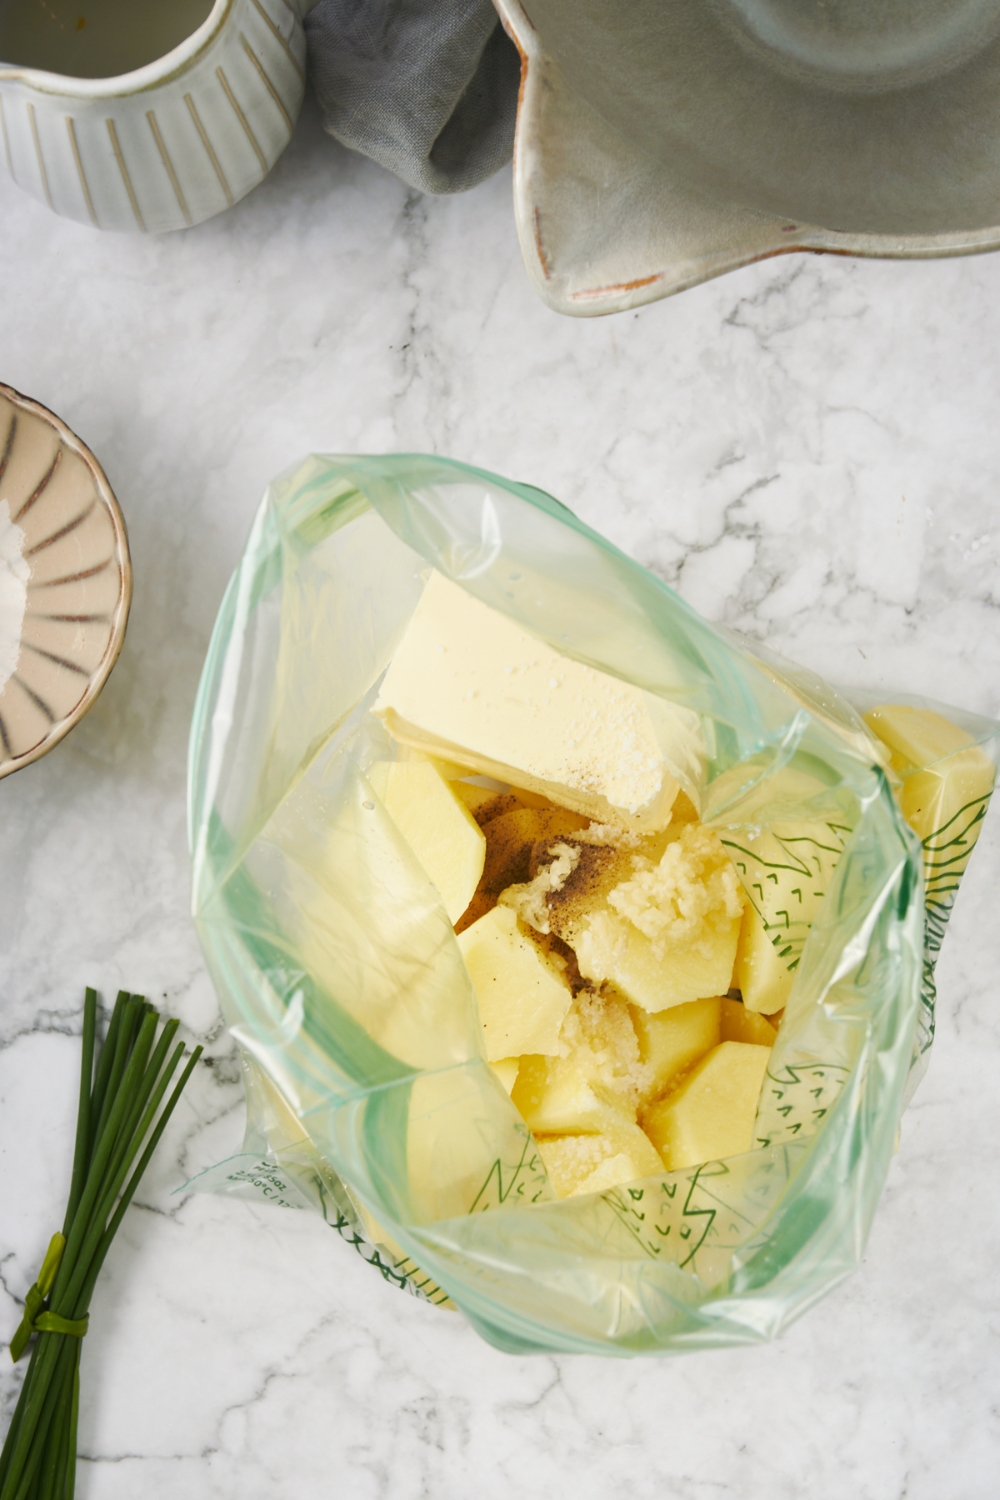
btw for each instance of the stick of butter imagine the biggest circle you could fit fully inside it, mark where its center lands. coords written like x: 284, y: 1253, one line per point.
x: 469, y: 685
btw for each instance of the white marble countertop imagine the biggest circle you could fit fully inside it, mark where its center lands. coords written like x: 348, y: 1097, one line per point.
x: 809, y: 450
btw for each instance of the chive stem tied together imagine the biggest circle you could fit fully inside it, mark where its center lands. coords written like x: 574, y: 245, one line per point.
x: 119, y: 1100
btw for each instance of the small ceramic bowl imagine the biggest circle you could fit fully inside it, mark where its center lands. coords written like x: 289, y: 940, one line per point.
x: 65, y: 580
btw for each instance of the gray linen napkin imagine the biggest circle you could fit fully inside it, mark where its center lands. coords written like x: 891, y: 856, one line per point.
x: 427, y: 88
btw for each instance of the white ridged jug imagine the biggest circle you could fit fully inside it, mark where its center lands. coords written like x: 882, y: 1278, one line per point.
x: 165, y: 144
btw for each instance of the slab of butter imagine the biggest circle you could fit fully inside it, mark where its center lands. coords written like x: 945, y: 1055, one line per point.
x: 469, y: 685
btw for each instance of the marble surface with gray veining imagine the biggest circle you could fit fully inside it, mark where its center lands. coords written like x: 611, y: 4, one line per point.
x: 809, y: 450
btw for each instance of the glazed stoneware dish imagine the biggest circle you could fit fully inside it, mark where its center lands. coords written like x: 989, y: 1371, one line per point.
x: 143, y: 115
x: 65, y: 580
x: 661, y: 144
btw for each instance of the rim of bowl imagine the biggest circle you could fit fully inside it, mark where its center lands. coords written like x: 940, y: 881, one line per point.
x: 101, y: 674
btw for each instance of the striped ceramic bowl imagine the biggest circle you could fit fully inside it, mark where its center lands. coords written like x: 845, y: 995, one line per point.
x: 65, y: 580
x: 169, y: 143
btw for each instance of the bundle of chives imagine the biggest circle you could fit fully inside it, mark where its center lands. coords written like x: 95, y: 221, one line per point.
x: 119, y: 1099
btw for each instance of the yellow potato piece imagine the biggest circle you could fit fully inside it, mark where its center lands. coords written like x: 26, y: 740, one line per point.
x: 506, y: 1070
x: 450, y: 1152
x: 741, y: 1025
x: 947, y: 784
x: 594, y: 1083
x: 593, y: 1163
x: 557, y: 1095
x: 673, y: 1040
x: 612, y: 949
x: 615, y: 1171
x: 483, y: 802
x: 762, y: 977
x: 946, y: 781
x: 522, y: 1001
x: 438, y: 828
x: 668, y: 934
x: 921, y: 735
x: 785, y: 871
x: 711, y: 1115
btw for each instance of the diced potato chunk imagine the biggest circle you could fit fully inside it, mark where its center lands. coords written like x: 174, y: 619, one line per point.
x: 623, y: 1167
x: 711, y: 1115
x: 476, y: 798
x: 673, y: 1040
x: 921, y: 736
x: 760, y: 974
x: 741, y: 1025
x: 946, y: 778
x: 613, y: 950
x: 522, y: 1000
x: 669, y: 934
x: 593, y: 1163
x: 785, y: 870
x: 596, y: 1084
x: 438, y: 828
x: 556, y: 1095
x: 506, y: 1070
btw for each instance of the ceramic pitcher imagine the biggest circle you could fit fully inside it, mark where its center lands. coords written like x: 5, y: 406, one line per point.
x: 147, y: 114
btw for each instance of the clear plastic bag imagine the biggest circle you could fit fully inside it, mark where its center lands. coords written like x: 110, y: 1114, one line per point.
x: 340, y: 975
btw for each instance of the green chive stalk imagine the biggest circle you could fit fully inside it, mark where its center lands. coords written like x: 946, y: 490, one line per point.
x: 122, y: 1086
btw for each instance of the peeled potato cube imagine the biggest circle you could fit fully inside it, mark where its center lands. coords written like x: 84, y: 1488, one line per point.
x: 761, y: 974
x: 593, y: 1163
x: 616, y: 1170
x: 922, y: 736
x: 482, y: 801
x: 506, y: 1070
x: 668, y: 933
x: 946, y: 777
x: 612, y: 949
x: 741, y: 1025
x: 438, y: 828
x: 786, y: 871
x: 560, y: 1095
x: 522, y: 1002
x: 711, y: 1115
x: 594, y: 1082
x: 673, y: 1040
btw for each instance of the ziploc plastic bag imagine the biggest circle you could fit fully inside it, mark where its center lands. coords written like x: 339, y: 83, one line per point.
x: 339, y: 972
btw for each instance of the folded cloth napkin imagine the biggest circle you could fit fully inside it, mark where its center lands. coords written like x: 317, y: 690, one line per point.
x: 427, y: 88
